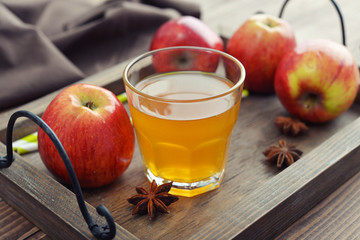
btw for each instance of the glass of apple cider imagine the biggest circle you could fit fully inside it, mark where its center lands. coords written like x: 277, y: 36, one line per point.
x: 184, y: 103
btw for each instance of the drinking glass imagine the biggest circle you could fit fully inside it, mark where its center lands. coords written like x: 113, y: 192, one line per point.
x: 184, y: 103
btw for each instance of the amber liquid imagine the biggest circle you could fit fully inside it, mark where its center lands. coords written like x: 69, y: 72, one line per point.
x: 185, y: 142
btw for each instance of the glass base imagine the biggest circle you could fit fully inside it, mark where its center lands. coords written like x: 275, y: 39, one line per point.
x: 189, y: 189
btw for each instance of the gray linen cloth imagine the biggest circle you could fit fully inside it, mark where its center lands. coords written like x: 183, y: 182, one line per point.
x: 48, y: 44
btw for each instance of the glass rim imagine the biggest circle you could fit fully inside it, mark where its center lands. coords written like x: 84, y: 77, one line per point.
x: 162, y: 99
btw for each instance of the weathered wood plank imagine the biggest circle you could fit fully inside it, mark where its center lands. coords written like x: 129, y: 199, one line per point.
x: 46, y: 203
x: 254, y: 200
x: 246, y: 172
x: 337, y: 217
x: 39, y: 235
x: 270, y: 209
x: 264, y: 212
x: 12, y: 224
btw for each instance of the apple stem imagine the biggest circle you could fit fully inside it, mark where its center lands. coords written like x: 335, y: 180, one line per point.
x: 310, y: 101
x: 268, y: 23
x: 89, y: 105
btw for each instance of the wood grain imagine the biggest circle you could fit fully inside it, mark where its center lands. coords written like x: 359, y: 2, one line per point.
x: 246, y: 172
x: 248, y: 180
x: 320, y: 172
x: 255, y: 200
x: 337, y: 217
x: 49, y: 205
x: 13, y: 225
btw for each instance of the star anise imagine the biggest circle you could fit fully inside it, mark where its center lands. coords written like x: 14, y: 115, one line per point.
x: 282, y: 153
x: 290, y: 126
x: 156, y: 200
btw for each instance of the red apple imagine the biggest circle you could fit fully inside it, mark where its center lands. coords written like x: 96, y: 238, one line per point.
x: 96, y: 132
x: 317, y: 81
x: 185, y: 31
x: 259, y: 44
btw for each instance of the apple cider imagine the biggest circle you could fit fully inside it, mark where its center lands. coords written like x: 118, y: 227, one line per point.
x: 184, y: 131
x: 184, y: 102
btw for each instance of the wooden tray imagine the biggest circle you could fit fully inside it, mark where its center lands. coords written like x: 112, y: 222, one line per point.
x: 255, y: 200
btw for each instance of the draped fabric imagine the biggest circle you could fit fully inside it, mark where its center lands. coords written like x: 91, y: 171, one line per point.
x: 48, y: 44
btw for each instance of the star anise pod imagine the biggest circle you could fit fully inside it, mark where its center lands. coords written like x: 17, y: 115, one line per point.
x: 156, y: 200
x: 290, y: 126
x: 282, y: 153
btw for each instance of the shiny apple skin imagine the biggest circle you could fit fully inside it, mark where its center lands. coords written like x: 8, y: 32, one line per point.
x: 317, y: 81
x: 186, y: 31
x: 99, y: 142
x: 259, y: 44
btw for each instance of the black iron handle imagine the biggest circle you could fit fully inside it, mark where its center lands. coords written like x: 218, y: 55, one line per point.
x: 104, y: 232
x: 338, y: 11
x: 343, y: 35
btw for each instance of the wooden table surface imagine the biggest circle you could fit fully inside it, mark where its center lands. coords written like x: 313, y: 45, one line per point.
x: 336, y: 217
